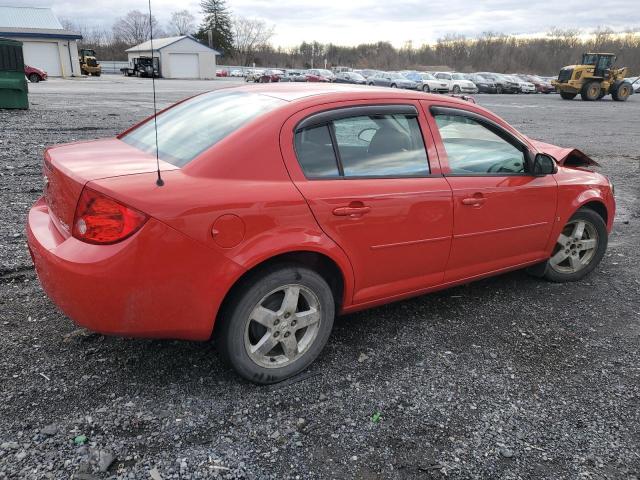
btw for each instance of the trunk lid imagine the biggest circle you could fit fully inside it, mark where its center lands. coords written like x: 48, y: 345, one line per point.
x: 67, y: 168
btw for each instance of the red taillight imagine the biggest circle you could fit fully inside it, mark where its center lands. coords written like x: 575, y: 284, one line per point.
x: 103, y: 220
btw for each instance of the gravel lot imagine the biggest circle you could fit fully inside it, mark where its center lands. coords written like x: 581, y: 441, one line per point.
x: 509, y: 377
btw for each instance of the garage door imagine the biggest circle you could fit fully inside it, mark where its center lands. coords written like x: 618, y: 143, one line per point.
x: 44, y: 56
x: 184, y: 65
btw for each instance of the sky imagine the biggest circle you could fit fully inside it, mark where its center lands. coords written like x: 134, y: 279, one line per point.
x: 349, y: 22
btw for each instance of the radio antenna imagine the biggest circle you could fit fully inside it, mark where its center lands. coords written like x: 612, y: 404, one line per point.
x: 159, y: 180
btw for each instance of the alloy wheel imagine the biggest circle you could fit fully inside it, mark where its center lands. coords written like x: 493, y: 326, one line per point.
x: 575, y: 248
x: 282, y: 326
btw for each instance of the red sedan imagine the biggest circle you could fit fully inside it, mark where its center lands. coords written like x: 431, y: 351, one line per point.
x: 35, y: 74
x: 280, y: 206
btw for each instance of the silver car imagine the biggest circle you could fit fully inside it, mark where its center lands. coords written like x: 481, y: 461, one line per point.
x: 393, y: 80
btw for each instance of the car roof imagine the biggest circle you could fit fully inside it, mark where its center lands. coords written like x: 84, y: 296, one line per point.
x: 292, y: 92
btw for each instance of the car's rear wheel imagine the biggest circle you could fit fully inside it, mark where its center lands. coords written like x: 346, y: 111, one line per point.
x: 456, y: 89
x: 276, y: 324
x: 579, y: 248
x: 393, y: 85
x: 34, y: 78
x: 498, y: 89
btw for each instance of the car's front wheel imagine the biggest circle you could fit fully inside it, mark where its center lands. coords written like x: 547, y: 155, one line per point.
x: 456, y: 89
x: 276, y: 323
x: 34, y: 78
x: 425, y: 88
x: 579, y: 247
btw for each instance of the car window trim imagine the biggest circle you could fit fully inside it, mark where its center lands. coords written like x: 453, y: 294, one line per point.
x: 328, y: 116
x: 325, y: 118
x: 493, y: 127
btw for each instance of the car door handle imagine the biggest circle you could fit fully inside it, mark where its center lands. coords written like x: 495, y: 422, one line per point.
x: 347, y: 211
x: 474, y: 201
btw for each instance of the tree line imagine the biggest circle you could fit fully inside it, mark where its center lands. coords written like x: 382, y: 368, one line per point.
x: 245, y: 41
x: 236, y: 38
x: 490, y: 52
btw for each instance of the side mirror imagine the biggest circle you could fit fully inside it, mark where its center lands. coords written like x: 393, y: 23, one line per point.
x: 544, y: 165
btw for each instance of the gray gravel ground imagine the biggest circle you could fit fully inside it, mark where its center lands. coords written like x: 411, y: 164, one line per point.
x: 507, y: 378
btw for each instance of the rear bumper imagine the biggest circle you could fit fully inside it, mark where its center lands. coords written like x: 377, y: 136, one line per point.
x: 157, y: 283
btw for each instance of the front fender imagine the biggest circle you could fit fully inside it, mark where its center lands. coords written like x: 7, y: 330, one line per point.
x: 571, y: 199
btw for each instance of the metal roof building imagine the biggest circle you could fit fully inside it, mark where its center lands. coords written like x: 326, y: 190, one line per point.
x: 179, y: 57
x: 46, y: 44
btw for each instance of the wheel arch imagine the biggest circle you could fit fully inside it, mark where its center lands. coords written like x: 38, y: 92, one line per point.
x: 334, y: 271
x: 599, y: 207
x: 589, y: 199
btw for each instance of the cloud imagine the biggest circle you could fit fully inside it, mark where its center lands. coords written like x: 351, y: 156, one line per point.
x: 356, y: 21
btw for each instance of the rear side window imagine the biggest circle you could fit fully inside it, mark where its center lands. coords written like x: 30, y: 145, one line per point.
x: 363, y: 146
x: 315, y: 152
x: 193, y: 126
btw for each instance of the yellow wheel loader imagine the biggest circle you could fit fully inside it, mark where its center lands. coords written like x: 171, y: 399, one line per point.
x: 594, y: 78
x: 88, y: 63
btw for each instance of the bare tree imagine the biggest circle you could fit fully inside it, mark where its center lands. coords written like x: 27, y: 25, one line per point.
x: 250, y: 35
x: 135, y: 28
x: 182, y: 23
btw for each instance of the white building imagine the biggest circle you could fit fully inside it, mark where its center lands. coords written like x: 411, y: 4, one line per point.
x: 45, y: 43
x: 179, y: 57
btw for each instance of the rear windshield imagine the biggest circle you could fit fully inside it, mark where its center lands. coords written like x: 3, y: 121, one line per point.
x: 193, y: 126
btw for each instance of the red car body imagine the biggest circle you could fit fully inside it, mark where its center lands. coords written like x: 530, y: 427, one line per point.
x: 246, y: 201
x: 30, y: 72
x: 316, y: 78
x: 270, y: 76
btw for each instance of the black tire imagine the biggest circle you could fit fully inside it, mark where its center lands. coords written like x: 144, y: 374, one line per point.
x: 599, y: 227
x: 590, y: 91
x: 621, y: 91
x: 602, y: 94
x: 426, y: 89
x: 567, y: 95
x: 34, y: 78
x: 498, y: 89
x: 229, y: 335
x: 393, y: 85
x: 456, y: 89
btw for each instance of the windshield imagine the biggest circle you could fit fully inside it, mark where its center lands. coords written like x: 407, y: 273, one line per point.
x: 325, y: 73
x: 427, y: 76
x: 355, y: 76
x: 191, y: 127
x: 396, y: 75
x: 458, y: 76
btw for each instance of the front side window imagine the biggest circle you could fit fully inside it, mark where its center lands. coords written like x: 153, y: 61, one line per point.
x: 473, y: 149
x: 191, y: 127
x: 363, y: 146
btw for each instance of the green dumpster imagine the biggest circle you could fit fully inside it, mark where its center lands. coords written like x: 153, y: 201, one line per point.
x: 13, y: 83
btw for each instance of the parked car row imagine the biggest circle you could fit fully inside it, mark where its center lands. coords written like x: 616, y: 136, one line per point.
x: 435, y: 82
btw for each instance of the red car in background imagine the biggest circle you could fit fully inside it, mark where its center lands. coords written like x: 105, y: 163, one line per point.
x: 284, y: 205
x: 270, y: 76
x: 313, y: 77
x: 222, y: 73
x: 34, y: 74
x: 542, y: 86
